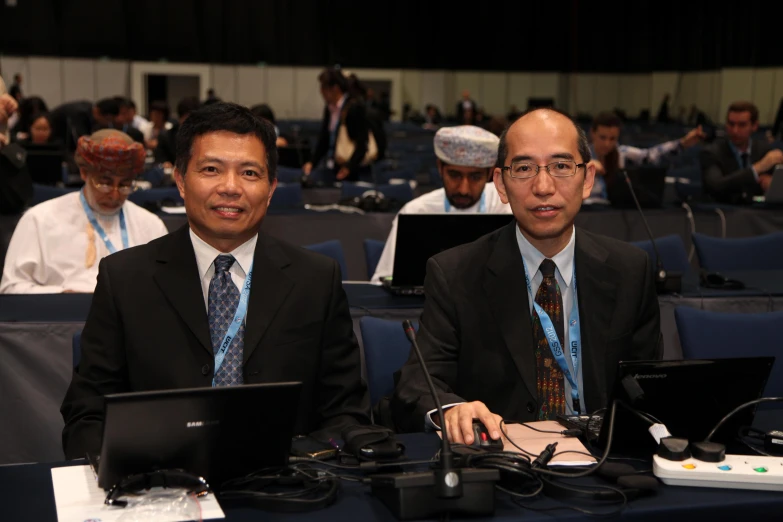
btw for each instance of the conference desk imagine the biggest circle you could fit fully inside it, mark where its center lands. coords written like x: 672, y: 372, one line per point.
x: 27, y: 494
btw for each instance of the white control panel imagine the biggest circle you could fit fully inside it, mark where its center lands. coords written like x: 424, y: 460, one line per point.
x: 736, y: 472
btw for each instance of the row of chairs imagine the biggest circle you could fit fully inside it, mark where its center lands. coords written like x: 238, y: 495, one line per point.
x: 703, y: 335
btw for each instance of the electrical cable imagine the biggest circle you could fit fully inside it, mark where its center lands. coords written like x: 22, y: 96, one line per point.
x: 737, y: 409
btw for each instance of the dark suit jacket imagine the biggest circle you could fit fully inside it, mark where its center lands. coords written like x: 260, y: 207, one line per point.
x: 723, y: 177
x: 167, y: 145
x: 147, y: 330
x: 70, y: 121
x: 354, y: 116
x: 476, y: 333
x: 461, y: 112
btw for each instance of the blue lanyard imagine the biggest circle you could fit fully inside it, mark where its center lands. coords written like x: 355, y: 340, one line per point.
x: 482, y: 204
x: 554, y: 343
x: 738, y: 156
x: 99, y: 229
x: 239, y: 316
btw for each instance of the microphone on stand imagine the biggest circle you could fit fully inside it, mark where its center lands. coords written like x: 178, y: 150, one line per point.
x: 666, y: 282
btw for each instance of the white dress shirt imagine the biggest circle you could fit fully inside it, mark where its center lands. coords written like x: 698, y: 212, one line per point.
x: 48, y: 251
x: 433, y: 203
x: 205, y: 260
x: 564, y: 261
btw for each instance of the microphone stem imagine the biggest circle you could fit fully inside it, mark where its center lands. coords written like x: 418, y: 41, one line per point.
x: 658, y: 262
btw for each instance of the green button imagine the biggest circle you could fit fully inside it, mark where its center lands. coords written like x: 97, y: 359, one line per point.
x: 761, y: 469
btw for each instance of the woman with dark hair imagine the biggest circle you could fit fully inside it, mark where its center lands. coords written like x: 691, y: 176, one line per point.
x: 29, y: 108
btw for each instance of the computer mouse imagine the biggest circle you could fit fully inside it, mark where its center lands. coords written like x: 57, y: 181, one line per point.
x: 482, y: 440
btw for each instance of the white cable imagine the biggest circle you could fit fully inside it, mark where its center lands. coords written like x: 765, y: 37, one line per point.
x: 689, y: 216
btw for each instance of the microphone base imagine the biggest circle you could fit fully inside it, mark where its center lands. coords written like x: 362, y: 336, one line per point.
x: 411, y: 496
x: 671, y: 284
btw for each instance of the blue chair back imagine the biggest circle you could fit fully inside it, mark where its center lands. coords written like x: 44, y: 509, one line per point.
x: 715, y: 335
x: 673, y: 254
x: 333, y: 249
x: 289, y: 175
x: 168, y: 194
x: 43, y: 193
x: 77, y: 348
x: 287, y: 196
x: 385, y: 351
x: 372, y: 254
x: 747, y: 253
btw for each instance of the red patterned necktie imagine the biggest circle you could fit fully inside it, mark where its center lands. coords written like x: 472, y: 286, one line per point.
x: 549, y: 378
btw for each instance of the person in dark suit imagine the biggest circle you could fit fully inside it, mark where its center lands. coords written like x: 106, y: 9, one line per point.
x: 72, y: 120
x: 489, y: 349
x: 341, y: 109
x: 161, y: 312
x: 736, y: 168
x: 466, y: 109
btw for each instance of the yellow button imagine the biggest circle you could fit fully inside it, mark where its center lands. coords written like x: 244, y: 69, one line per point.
x: 689, y: 466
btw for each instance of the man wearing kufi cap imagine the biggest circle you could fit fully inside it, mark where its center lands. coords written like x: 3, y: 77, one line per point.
x: 466, y: 155
x: 57, y: 244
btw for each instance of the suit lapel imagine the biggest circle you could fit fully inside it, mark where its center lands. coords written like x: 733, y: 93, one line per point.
x: 596, y: 289
x: 177, y: 277
x: 269, y: 290
x: 505, y: 287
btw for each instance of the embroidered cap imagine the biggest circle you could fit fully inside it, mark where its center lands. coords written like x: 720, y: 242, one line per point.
x: 466, y: 146
x: 110, y: 150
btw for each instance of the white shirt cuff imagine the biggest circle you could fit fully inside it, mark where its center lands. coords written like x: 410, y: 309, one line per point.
x: 429, y: 424
x: 755, y: 174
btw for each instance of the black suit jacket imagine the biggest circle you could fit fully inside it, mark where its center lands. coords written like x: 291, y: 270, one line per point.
x: 70, y: 121
x: 476, y: 332
x: 723, y: 177
x: 147, y: 330
x: 353, y: 115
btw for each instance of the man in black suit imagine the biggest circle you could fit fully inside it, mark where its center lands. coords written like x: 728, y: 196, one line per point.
x: 490, y: 350
x: 161, y: 312
x: 736, y: 168
x: 341, y: 109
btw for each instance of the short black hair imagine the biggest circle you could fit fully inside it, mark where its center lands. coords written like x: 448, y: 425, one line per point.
x: 582, y: 145
x: 606, y: 119
x: 226, y: 117
x: 161, y: 106
x: 263, y: 111
x: 124, y: 103
x: 108, y: 107
x: 331, y: 77
x: 187, y: 105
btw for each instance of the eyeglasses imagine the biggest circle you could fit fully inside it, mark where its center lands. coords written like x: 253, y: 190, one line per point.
x: 123, y: 187
x: 556, y: 169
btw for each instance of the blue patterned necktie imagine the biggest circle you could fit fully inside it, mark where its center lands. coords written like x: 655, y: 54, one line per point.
x: 223, y: 302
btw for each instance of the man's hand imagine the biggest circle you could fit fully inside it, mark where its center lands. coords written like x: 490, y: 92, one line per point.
x: 459, y: 421
x: 693, y: 137
x: 770, y: 159
x: 8, y: 106
x: 599, y: 167
x: 307, y: 168
x: 343, y: 172
x: 764, y: 181
x: 3, y: 140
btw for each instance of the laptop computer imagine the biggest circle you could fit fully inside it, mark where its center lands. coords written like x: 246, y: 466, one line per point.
x: 45, y: 163
x: 688, y: 396
x: 649, y: 184
x: 215, y: 433
x: 421, y: 236
x: 774, y: 195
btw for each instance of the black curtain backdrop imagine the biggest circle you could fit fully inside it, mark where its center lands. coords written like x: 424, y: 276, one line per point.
x: 566, y: 35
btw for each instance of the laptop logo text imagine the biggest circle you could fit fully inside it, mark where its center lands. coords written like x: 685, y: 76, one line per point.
x: 202, y: 424
x: 651, y: 376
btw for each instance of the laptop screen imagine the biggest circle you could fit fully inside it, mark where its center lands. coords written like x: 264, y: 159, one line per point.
x: 421, y: 236
x: 688, y: 396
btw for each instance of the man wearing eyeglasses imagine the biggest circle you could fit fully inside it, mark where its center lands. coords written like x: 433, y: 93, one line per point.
x: 57, y: 245
x: 506, y: 332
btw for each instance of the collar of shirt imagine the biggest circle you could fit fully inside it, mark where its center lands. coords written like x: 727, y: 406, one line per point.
x: 564, y: 260
x: 334, y: 111
x: 206, y: 254
x: 737, y: 151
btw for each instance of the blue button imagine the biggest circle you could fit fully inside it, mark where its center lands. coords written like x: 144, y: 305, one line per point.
x: 725, y: 467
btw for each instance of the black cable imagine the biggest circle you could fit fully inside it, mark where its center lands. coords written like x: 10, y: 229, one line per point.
x: 737, y: 409
x: 363, y: 466
x: 565, y: 433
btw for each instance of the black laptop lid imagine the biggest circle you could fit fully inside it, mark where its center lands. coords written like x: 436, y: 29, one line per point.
x: 689, y: 396
x: 421, y: 236
x: 215, y: 433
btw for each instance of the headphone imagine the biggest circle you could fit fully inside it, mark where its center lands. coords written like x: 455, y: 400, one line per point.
x: 719, y: 281
x: 371, y: 201
x: 627, y: 483
x: 167, y: 478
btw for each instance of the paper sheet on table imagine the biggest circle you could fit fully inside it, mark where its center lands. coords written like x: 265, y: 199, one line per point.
x: 78, y: 498
x: 173, y: 210
x: 535, y: 442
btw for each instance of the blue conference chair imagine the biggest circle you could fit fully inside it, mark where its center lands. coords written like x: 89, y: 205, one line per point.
x: 333, y: 249
x: 157, y: 195
x: 289, y: 175
x: 372, y: 254
x: 715, y: 335
x: 385, y: 351
x: 673, y: 255
x: 287, y: 197
x: 77, y: 348
x: 747, y: 253
x: 43, y: 193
